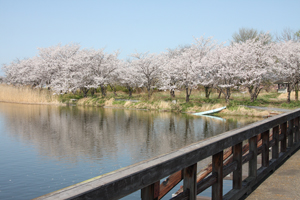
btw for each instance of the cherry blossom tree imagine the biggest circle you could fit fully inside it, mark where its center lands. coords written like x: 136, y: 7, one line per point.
x: 104, y: 70
x: 253, y: 62
x: 67, y: 68
x: 24, y: 72
x: 202, y: 46
x: 148, y: 67
x: 90, y: 69
x: 53, y: 64
x: 169, y: 79
x: 189, y: 66
x: 223, y: 69
x: 287, y: 65
x: 129, y: 76
x: 78, y: 74
x: 13, y: 72
x: 187, y: 72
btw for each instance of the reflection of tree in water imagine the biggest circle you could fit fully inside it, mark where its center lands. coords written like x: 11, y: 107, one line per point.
x: 172, y: 124
x: 72, y: 133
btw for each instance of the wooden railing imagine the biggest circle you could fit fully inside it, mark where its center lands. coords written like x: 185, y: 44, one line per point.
x: 280, y: 132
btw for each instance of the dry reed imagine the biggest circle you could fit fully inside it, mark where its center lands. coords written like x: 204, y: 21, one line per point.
x: 242, y: 111
x: 283, y: 96
x: 109, y: 102
x: 25, y: 94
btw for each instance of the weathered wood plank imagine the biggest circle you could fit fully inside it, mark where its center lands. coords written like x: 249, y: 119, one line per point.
x: 281, y: 137
x: 227, y: 169
x: 265, y: 149
x: 190, y: 181
x: 211, y: 179
x: 262, y: 172
x: 283, y: 128
x: 237, y: 174
x: 170, y: 183
x: 206, y: 183
x: 296, y: 122
x: 253, y: 161
x: 275, y: 148
x: 150, y: 192
x: 227, y: 158
x: 217, y: 168
x: 290, y: 133
x: 247, y: 157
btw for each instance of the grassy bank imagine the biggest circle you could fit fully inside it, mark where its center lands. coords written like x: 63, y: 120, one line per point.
x: 168, y: 106
x: 160, y: 101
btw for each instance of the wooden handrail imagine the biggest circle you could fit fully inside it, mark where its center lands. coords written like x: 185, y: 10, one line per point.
x: 146, y: 175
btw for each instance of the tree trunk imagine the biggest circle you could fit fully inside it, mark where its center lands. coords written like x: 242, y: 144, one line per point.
x: 149, y: 92
x: 84, y: 91
x: 220, y: 93
x: 130, y: 91
x: 113, y: 88
x: 172, y: 93
x: 252, y: 97
x: 289, y: 94
x: 92, y: 91
x: 254, y: 92
x: 250, y: 90
x: 207, y: 92
x: 257, y: 91
x: 226, y: 92
x: 227, y: 96
x: 296, y: 91
x: 103, y: 90
x: 188, y: 94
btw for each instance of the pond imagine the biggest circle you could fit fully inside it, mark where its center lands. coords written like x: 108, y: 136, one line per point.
x: 44, y: 148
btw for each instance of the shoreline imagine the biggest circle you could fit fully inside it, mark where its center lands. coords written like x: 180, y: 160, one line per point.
x: 89, y: 102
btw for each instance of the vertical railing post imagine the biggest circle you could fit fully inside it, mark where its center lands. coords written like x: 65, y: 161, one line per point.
x: 253, y: 161
x: 150, y: 192
x: 190, y: 181
x: 275, y: 148
x: 290, y: 133
x: 283, y: 128
x: 265, y: 148
x: 217, y: 168
x: 237, y: 174
x: 296, y: 122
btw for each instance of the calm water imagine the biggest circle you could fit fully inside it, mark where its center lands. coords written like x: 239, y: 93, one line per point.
x: 46, y: 148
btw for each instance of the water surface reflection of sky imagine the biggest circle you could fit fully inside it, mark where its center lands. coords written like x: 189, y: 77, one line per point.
x: 44, y: 148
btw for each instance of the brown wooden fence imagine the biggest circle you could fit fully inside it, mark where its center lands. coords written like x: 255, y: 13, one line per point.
x: 280, y: 132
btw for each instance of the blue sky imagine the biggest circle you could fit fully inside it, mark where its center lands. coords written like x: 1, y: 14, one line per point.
x: 132, y: 25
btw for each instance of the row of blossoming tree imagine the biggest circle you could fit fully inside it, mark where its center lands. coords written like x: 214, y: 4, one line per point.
x: 205, y: 62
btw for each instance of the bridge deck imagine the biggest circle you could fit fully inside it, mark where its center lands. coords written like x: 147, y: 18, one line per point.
x: 284, y: 183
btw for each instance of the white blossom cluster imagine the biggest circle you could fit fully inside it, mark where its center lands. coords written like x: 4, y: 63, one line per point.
x: 205, y: 62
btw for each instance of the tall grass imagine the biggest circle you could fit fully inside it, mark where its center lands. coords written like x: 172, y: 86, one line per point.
x: 25, y: 94
x: 243, y: 111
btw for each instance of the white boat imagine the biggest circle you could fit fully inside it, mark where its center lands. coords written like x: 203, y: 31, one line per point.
x: 210, y: 111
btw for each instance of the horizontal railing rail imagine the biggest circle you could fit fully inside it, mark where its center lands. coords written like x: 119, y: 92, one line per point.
x: 280, y: 132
